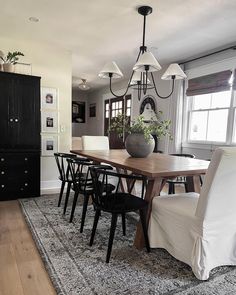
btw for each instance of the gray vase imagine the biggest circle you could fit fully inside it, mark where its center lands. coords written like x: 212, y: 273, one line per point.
x: 137, y: 146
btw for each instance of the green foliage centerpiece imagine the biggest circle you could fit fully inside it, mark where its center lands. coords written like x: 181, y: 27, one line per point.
x: 140, y: 143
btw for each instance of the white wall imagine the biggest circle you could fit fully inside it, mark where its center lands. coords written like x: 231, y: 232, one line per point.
x: 54, y: 67
x: 79, y: 129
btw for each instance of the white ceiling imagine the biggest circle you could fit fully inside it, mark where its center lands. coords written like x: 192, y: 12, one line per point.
x: 99, y: 31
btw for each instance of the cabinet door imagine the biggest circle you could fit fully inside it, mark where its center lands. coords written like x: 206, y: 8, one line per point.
x: 27, y: 115
x: 6, y: 111
x: 19, y: 175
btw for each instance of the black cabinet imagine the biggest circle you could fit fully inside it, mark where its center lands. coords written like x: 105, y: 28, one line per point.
x: 20, y: 136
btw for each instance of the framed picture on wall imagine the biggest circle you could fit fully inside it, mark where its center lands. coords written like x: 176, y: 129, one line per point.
x: 49, y: 121
x: 92, y: 110
x: 78, y: 112
x: 49, y: 98
x: 49, y: 145
x: 148, y: 108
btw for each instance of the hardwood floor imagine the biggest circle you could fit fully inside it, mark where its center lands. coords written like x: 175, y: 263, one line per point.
x: 21, y: 269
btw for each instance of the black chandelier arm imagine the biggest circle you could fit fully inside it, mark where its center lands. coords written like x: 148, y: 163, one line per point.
x: 140, y: 50
x: 113, y: 93
x: 110, y: 76
x: 172, y: 90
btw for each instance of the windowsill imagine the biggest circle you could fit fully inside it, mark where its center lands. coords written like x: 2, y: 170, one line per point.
x: 204, y: 145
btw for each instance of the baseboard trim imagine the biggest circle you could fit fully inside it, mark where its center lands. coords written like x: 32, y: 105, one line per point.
x: 50, y: 187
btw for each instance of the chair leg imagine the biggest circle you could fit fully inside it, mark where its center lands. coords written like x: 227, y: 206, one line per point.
x: 67, y: 196
x: 111, y: 237
x: 201, y: 181
x: 95, y: 223
x: 61, y: 193
x: 74, y: 205
x: 173, y: 188
x: 186, y: 187
x: 85, y: 205
x: 170, y: 189
x: 123, y: 224
x: 144, y: 226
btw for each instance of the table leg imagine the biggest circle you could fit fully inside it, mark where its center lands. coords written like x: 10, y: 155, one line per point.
x: 126, y: 185
x: 154, y: 187
x: 197, y: 183
x: 123, y: 184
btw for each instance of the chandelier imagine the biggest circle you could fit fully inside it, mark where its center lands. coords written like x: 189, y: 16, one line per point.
x: 142, y: 78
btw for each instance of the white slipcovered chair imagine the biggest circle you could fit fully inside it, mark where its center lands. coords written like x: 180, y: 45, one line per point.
x: 76, y: 143
x: 200, y: 230
x: 95, y: 142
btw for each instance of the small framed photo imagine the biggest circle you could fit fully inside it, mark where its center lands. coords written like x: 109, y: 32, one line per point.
x: 92, y: 110
x: 49, y: 145
x: 49, y: 99
x: 49, y: 121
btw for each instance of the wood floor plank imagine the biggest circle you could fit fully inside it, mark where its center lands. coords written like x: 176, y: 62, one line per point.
x: 24, y: 257
x: 10, y: 282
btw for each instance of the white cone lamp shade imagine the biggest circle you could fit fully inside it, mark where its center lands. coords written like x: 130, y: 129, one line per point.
x: 110, y: 68
x: 137, y: 78
x: 147, y: 59
x: 174, y: 70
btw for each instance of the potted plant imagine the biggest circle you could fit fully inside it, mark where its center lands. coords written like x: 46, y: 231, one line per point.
x: 139, y: 142
x: 10, y: 60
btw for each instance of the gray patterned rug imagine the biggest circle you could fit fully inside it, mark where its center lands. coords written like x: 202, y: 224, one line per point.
x: 75, y: 268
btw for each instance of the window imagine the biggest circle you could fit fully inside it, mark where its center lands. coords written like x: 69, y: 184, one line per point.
x: 208, y: 117
x: 115, y: 106
x: 210, y: 113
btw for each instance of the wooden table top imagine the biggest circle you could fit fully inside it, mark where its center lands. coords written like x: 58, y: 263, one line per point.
x: 155, y: 165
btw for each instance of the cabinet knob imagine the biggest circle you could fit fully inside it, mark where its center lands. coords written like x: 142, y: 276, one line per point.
x: 16, y: 120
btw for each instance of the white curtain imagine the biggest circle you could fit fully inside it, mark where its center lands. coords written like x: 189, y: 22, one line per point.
x: 176, y: 117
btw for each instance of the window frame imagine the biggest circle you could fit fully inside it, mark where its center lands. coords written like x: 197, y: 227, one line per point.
x: 109, y: 101
x: 204, y: 144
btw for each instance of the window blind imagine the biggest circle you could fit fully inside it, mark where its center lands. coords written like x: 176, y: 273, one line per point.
x: 216, y: 82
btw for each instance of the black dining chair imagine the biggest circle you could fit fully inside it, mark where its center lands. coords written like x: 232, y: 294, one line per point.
x: 64, y: 175
x: 63, y: 172
x: 117, y: 203
x: 83, y: 185
x: 180, y: 179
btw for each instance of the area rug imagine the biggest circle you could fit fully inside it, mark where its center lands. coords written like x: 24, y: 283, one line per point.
x: 77, y: 269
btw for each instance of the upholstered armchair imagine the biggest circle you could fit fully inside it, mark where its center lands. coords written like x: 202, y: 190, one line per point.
x: 200, y: 230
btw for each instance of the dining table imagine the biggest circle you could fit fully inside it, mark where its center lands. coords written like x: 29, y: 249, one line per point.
x: 156, y: 168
